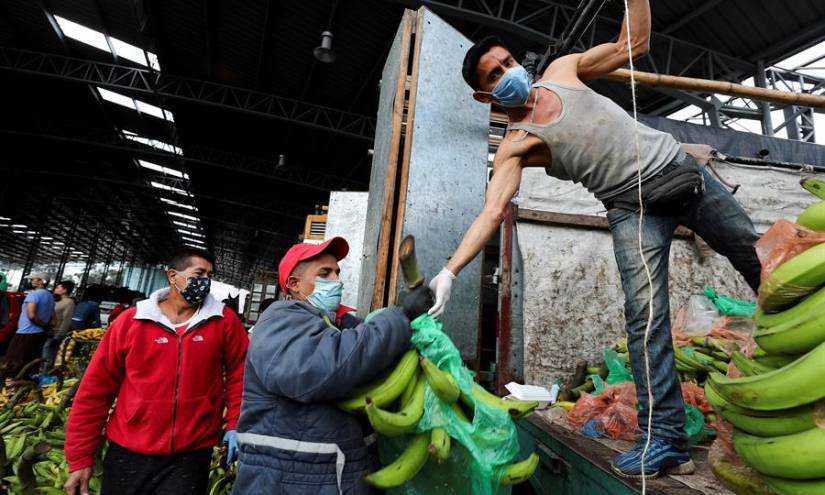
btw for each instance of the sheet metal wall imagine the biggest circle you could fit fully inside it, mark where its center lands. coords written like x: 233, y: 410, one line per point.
x: 572, y: 293
x: 447, y: 174
x: 346, y: 218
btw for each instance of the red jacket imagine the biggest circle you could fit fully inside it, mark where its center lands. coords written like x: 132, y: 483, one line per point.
x: 170, y: 390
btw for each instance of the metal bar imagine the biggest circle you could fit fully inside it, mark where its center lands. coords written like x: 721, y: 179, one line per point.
x: 227, y: 160
x: 143, y: 81
x: 504, y: 321
x: 764, y: 107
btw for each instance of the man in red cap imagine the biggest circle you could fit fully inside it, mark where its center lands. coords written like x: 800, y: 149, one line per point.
x: 291, y: 435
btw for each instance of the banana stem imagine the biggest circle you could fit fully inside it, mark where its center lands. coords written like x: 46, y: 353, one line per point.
x: 25, y: 470
x: 409, y: 263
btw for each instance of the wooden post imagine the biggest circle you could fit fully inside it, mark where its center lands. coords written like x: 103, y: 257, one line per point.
x: 720, y: 87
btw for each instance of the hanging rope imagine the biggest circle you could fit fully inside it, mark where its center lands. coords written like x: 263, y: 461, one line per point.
x: 641, y: 249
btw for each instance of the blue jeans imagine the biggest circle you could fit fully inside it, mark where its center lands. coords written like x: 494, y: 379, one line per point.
x: 724, y: 225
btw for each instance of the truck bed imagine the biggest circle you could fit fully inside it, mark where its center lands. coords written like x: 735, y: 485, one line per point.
x: 572, y: 464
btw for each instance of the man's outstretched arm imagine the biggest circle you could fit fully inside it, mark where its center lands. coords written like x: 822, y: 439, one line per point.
x: 501, y: 189
x: 603, y: 59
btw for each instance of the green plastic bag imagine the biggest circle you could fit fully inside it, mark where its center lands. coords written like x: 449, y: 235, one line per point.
x: 695, y: 426
x: 615, y: 362
x: 488, y: 443
x: 730, y: 306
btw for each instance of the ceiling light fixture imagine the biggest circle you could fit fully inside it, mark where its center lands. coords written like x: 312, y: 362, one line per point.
x: 324, y: 53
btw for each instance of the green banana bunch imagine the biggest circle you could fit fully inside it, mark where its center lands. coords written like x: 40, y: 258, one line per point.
x: 408, y: 392
x: 776, y: 361
x: 393, y: 424
x: 706, y: 360
x: 442, y: 383
x: 792, y: 339
x: 796, y: 487
x: 798, y: 456
x: 813, y: 217
x: 814, y: 186
x: 747, y: 366
x: 439, y: 447
x: 405, y: 467
x: 735, y: 479
x: 793, y: 385
x: 521, y: 471
x: 793, y: 280
x: 764, y: 423
x: 518, y: 409
x: 383, y: 391
x: 812, y: 306
x: 687, y: 362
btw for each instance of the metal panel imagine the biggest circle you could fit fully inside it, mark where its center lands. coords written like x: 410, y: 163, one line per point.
x: 346, y: 218
x: 383, y: 152
x: 573, y: 298
x: 447, y: 171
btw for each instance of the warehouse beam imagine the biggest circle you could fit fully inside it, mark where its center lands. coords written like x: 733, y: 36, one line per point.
x: 144, y: 81
x: 205, y: 156
x: 540, y: 24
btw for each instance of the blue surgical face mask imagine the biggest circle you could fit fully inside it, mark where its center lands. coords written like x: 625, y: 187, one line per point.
x: 513, y: 89
x: 327, y: 294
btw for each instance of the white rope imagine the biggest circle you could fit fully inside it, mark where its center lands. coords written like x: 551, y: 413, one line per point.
x: 641, y: 250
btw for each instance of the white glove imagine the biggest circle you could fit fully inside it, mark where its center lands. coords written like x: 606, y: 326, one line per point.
x: 441, y: 286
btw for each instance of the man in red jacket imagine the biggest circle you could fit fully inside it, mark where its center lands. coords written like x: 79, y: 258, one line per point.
x: 172, y: 362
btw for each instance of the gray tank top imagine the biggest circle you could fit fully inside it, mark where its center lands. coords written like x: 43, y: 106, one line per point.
x: 593, y: 142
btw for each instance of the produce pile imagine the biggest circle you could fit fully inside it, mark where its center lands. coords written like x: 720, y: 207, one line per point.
x: 427, y: 401
x: 777, y: 408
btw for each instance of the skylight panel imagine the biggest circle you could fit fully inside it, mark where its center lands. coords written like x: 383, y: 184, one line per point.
x: 182, y: 215
x: 190, y: 239
x: 193, y: 245
x: 169, y: 188
x: 133, y: 53
x: 116, y: 98
x: 163, y: 170
x: 154, y: 111
x: 153, y: 143
x: 179, y: 205
x: 82, y: 34
x: 5, y: 218
x: 184, y: 224
x: 187, y: 232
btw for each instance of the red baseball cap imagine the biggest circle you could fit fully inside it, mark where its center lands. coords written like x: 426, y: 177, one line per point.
x: 337, y: 246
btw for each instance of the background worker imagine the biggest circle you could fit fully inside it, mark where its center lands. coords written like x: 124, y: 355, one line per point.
x: 173, y: 363
x: 87, y: 312
x: 35, y: 320
x: 299, y: 363
x: 63, y: 311
x: 576, y: 134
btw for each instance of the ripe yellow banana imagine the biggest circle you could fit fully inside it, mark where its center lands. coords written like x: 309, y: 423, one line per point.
x: 384, y: 391
x: 518, y: 409
x: 796, y: 487
x: 442, y: 382
x: 439, y: 447
x: 405, y: 467
x: 518, y: 472
x: 393, y: 424
x: 793, y: 280
x: 799, y: 456
x: 813, y: 217
x: 793, y: 385
x: 765, y: 423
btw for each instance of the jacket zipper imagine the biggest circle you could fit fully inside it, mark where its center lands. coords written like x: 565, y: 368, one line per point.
x: 177, y: 386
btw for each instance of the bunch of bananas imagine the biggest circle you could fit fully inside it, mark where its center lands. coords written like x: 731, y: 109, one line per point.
x: 394, y: 405
x: 777, y: 408
x: 33, y: 434
x: 88, y: 335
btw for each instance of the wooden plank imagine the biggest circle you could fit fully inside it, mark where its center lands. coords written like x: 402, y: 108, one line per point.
x: 579, y: 220
x: 382, y: 251
x: 405, y: 157
x: 583, y: 465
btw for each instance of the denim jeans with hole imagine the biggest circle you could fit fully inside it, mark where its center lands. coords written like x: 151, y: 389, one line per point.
x: 719, y: 219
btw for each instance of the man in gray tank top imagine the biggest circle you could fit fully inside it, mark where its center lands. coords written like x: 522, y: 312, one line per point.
x: 576, y: 134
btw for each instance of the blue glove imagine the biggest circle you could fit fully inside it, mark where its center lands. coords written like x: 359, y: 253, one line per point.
x: 231, y: 439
